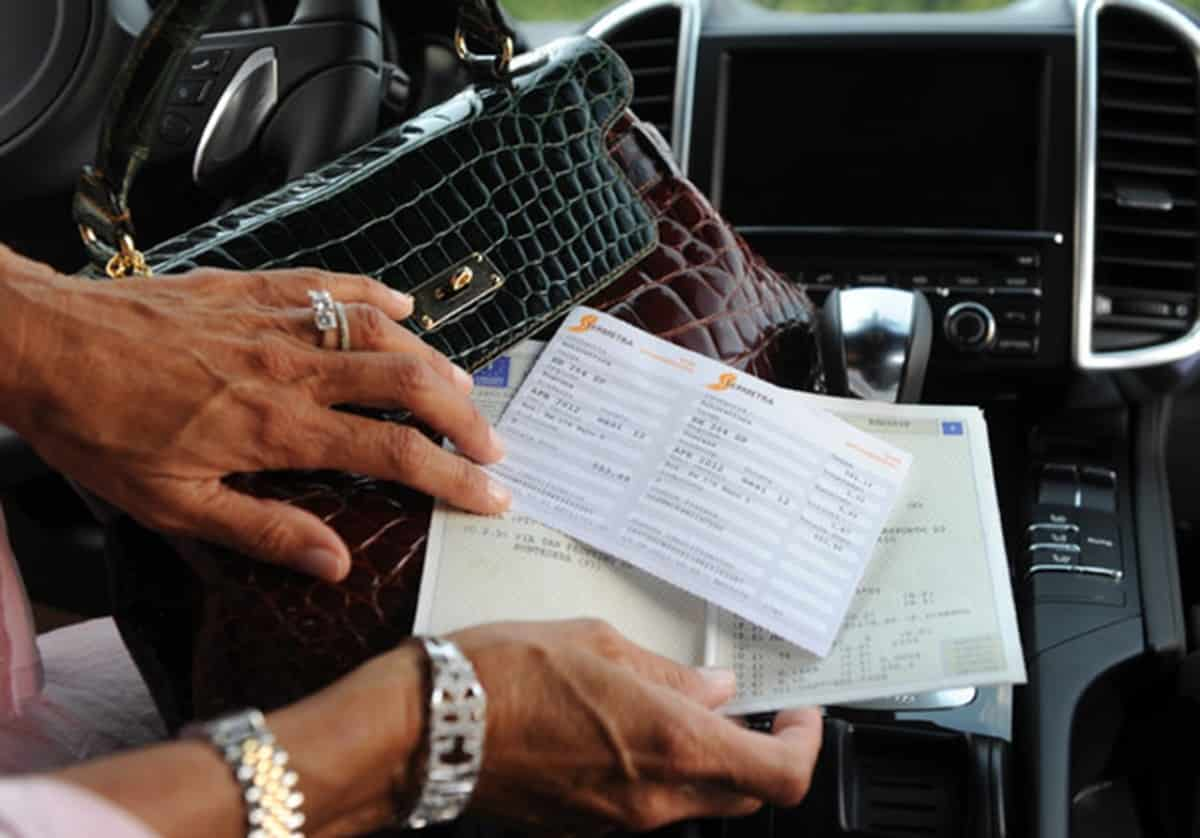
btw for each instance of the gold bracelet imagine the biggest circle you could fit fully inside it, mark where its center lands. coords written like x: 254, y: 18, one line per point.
x: 260, y: 769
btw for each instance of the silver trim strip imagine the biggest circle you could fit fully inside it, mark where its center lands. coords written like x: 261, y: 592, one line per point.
x: 255, y: 60
x: 1049, y: 547
x: 1053, y: 527
x: 1086, y: 570
x: 1085, y: 211
x: 685, y: 65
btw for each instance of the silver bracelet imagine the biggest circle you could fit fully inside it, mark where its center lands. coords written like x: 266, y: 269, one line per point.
x: 260, y: 769
x: 457, y: 725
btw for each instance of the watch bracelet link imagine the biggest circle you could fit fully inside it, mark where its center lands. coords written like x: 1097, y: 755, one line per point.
x: 456, y: 733
x: 260, y: 768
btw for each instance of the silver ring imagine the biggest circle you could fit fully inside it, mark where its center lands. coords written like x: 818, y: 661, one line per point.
x: 325, y: 316
x: 343, y: 325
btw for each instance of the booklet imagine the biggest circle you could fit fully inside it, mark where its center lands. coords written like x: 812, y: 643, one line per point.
x: 934, y: 609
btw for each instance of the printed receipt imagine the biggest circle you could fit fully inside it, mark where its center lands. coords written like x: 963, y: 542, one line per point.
x: 721, y: 484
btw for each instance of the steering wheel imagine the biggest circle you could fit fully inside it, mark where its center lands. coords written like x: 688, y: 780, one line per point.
x: 280, y: 99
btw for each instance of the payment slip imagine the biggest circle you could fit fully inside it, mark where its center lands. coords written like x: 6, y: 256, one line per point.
x: 723, y: 485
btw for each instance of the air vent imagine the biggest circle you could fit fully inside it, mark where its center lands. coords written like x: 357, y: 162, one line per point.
x: 650, y: 36
x: 1147, y: 180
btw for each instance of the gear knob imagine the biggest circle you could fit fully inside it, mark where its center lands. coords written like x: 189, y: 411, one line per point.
x: 876, y: 343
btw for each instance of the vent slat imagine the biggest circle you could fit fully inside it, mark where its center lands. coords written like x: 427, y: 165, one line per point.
x: 1146, y: 168
x: 1126, y: 45
x: 1154, y: 232
x: 649, y: 44
x: 1148, y: 106
x: 1137, y: 261
x: 1148, y: 137
x: 1145, y: 77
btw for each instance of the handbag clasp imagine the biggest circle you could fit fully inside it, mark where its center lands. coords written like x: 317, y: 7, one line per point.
x: 455, y: 290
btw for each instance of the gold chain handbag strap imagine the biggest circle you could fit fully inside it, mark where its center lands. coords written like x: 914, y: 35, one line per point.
x: 140, y: 95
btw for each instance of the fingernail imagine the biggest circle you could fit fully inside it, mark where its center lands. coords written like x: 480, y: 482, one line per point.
x: 320, y: 562
x: 463, y: 378
x: 499, y: 495
x: 495, y: 440
x: 402, y: 298
x: 718, y: 677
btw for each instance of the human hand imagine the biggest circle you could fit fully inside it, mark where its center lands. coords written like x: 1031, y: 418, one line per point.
x: 150, y: 392
x: 587, y: 732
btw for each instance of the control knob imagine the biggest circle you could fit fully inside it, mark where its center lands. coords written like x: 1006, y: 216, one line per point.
x: 969, y: 327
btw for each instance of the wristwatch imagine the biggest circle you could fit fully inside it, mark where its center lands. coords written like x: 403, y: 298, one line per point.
x: 260, y: 768
x: 457, y: 725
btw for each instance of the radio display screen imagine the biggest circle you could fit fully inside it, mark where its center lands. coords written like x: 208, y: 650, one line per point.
x: 881, y: 137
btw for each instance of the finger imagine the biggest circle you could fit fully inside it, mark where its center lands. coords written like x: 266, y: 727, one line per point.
x: 803, y: 719
x: 775, y: 767
x: 372, y: 330
x: 406, y: 381
x: 403, y: 454
x: 275, y: 532
x: 289, y: 289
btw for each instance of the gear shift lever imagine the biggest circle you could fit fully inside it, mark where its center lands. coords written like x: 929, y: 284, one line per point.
x: 876, y: 343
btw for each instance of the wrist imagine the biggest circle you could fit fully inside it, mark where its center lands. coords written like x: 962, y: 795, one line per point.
x: 27, y: 291
x: 356, y: 742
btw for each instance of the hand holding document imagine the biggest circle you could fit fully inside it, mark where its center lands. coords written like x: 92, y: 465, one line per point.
x: 737, y: 493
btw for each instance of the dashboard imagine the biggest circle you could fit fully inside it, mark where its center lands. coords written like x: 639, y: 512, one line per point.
x: 956, y: 153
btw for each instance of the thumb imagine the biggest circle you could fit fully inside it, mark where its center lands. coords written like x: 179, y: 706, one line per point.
x: 275, y: 532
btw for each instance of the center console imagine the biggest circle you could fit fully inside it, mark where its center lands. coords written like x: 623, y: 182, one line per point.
x: 937, y: 164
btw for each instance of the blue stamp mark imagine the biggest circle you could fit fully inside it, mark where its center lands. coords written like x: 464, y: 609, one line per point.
x: 494, y: 374
x: 952, y: 429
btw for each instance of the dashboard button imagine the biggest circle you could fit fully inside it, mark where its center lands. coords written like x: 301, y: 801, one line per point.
x: 1076, y: 584
x: 1098, y: 489
x: 870, y: 278
x: 1016, y: 346
x: 1058, y: 485
x: 967, y: 280
x: 1018, y: 316
x: 1028, y: 259
x: 825, y: 277
x: 1017, y: 281
x: 1053, y: 534
x: 917, y: 280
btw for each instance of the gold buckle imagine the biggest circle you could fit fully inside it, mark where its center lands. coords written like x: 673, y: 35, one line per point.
x: 500, y: 62
x: 455, y: 291
x: 127, y: 261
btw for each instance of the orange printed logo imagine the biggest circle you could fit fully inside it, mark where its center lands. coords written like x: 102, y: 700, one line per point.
x: 724, y: 382
x: 586, y: 322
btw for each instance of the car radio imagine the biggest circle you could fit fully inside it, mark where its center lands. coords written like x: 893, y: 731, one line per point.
x: 987, y: 303
x: 990, y: 299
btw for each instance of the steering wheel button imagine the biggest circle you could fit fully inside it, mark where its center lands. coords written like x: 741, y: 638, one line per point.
x: 207, y: 62
x: 175, y: 129
x: 190, y: 91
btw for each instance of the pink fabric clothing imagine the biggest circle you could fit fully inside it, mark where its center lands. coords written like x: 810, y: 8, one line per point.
x: 39, y: 808
x: 20, y: 665
x: 66, y: 696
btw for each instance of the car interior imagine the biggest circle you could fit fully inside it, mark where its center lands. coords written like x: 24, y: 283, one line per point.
x: 1027, y: 173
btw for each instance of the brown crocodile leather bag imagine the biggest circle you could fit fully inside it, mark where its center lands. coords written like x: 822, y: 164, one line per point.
x: 543, y: 177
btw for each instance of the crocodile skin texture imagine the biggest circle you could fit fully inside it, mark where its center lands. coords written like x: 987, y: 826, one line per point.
x: 518, y: 173
x: 269, y: 636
